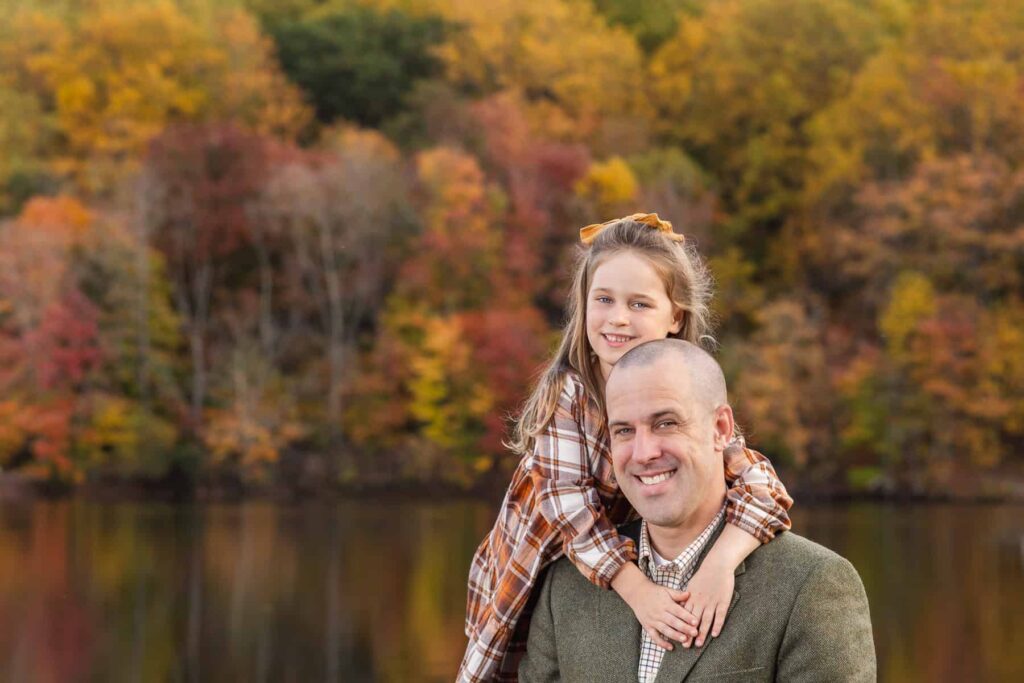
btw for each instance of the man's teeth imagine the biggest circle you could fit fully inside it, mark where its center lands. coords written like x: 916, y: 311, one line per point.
x: 656, y: 478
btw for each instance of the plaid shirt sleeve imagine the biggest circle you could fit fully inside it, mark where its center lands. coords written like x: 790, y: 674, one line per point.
x: 568, y: 498
x: 756, y: 501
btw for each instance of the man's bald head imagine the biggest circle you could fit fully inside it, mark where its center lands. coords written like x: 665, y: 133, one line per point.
x: 706, y: 377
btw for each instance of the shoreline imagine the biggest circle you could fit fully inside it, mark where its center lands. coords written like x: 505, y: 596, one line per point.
x: 15, y: 487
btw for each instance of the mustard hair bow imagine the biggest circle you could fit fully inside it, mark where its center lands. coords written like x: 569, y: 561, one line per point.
x: 590, y: 233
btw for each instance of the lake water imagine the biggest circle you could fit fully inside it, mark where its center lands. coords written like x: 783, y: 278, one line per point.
x: 375, y: 590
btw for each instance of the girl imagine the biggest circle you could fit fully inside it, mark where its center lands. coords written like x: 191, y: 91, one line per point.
x: 636, y: 281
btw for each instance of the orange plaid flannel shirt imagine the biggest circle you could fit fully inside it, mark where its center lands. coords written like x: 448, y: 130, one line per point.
x: 563, y: 499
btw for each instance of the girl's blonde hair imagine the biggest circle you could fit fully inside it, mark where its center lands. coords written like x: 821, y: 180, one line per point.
x: 688, y: 285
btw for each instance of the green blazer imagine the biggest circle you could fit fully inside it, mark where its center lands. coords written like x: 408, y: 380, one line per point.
x: 798, y: 613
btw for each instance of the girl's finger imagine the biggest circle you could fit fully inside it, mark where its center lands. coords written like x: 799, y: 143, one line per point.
x: 681, y: 626
x: 705, y: 625
x: 678, y: 596
x: 680, y: 612
x: 670, y: 633
x: 698, y: 615
x: 720, y: 615
x: 658, y: 640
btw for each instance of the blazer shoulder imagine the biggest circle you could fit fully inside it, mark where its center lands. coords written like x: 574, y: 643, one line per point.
x: 792, y: 551
x: 563, y: 574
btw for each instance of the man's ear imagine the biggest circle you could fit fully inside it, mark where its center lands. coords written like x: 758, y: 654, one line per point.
x: 724, y: 426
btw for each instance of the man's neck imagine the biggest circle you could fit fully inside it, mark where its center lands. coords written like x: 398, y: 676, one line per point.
x: 669, y: 542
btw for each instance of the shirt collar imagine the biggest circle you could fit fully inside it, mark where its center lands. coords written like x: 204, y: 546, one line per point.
x: 686, y: 560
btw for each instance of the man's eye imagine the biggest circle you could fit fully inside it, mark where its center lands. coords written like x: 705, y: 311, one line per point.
x: 623, y: 431
x: 666, y: 423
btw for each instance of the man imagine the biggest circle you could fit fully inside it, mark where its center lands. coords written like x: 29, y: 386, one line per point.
x: 798, y: 612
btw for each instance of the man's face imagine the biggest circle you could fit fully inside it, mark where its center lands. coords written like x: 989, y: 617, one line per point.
x: 667, y: 444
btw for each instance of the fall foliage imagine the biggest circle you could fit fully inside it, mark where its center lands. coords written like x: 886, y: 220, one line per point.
x: 328, y: 242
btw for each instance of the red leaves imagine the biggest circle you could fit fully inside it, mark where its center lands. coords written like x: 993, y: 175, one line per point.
x: 65, y: 345
x: 204, y: 176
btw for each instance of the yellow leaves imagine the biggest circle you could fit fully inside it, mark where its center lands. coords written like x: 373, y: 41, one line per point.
x: 454, y: 178
x: 122, y: 437
x: 912, y: 300
x: 445, y: 396
x: 120, y: 75
x: 559, y: 51
x: 251, y: 88
x: 360, y: 143
x: 229, y: 435
x: 610, y: 184
x: 440, y: 355
x: 672, y: 68
x: 258, y: 417
x: 947, y: 83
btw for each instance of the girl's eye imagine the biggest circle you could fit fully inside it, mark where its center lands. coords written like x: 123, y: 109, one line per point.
x: 604, y: 299
x: 641, y: 304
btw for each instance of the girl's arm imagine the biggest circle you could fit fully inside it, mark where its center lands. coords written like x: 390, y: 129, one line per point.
x: 756, y: 510
x: 569, y: 502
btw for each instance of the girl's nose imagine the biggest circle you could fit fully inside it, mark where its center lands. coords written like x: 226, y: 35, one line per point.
x: 620, y: 316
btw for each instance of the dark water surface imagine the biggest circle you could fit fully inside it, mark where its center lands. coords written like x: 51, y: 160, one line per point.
x: 375, y: 590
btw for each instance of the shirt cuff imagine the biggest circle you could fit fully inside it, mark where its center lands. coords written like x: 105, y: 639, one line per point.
x: 759, y: 531
x: 610, y: 565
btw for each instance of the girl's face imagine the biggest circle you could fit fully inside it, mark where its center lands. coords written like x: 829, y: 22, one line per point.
x: 627, y: 305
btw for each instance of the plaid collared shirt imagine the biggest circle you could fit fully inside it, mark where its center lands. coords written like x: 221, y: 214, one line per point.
x: 563, y: 499
x: 676, y: 575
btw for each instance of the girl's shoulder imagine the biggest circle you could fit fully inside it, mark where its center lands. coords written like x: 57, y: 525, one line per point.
x: 575, y: 396
x: 573, y: 388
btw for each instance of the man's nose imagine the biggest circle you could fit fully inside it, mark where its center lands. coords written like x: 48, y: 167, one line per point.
x: 646, y: 447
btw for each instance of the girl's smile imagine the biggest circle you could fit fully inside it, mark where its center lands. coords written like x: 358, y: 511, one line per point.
x: 617, y: 340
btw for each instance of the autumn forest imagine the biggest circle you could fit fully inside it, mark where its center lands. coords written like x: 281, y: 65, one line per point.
x: 326, y: 243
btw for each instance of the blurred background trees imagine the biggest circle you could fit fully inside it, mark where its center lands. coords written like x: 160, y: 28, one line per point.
x: 327, y: 241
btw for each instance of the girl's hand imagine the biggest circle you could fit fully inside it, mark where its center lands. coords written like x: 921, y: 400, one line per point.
x: 710, y: 592
x: 657, y: 608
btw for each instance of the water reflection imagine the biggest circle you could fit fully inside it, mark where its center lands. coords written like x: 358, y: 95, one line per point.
x: 375, y: 591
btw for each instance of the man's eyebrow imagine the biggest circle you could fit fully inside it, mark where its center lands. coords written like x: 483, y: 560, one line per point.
x: 668, y: 412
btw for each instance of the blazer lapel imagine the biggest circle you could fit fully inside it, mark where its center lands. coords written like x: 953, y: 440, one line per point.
x: 676, y: 665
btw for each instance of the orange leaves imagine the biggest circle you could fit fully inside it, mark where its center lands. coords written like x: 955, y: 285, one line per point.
x: 952, y: 219
x: 65, y: 217
x: 457, y: 255
x: 783, y: 385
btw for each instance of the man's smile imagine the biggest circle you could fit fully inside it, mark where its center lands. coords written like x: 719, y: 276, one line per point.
x: 652, y: 479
